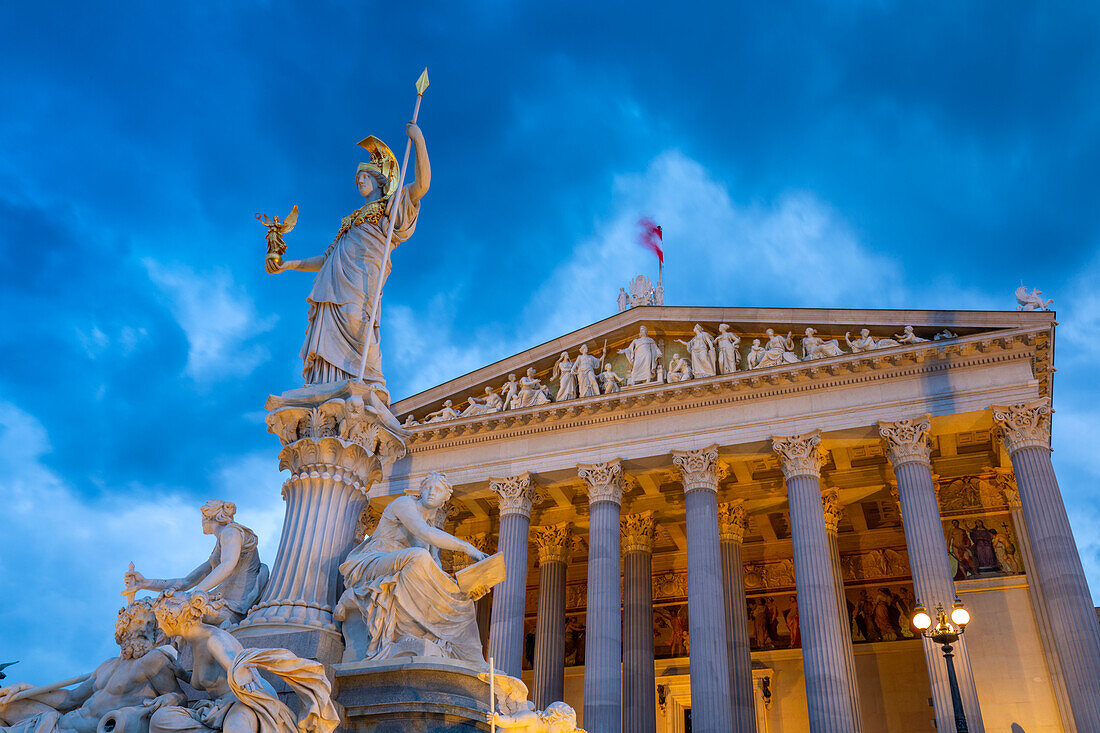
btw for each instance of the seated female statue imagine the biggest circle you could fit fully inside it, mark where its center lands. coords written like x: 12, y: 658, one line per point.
x: 399, y: 601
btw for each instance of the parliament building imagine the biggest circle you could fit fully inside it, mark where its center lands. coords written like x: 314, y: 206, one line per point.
x: 735, y: 534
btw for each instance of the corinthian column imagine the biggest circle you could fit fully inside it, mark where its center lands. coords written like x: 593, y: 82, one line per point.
x: 334, y: 445
x: 639, y: 676
x: 828, y: 693
x: 484, y: 605
x: 909, y: 452
x: 548, y: 678
x: 830, y: 501
x: 1025, y: 429
x: 731, y: 532
x: 603, y: 619
x: 710, y: 672
x: 515, y: 496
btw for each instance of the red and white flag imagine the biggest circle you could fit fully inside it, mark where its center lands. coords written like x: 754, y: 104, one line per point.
x: 651, y: 237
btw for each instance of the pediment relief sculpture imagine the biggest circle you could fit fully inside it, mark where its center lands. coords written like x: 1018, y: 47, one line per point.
x: 644, y: 361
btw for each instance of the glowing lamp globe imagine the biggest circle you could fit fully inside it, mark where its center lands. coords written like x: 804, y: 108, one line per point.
x: 959, y: 615
x: 921, y: 619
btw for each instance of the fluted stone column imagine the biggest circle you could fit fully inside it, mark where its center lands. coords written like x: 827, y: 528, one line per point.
x: 710, y: 673
x: 483, y: 606
x: 548, y: 676
x: 1025, y: 429
x: 603, y: 616
x: 909, y: 452
x: 830, y: 501
x: 515, y: 496
x: 828, y: 693
x: 639, y: 675
x: 334, y: 445
x: 731, y: 533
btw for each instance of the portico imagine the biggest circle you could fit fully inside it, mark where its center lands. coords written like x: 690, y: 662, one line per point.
x: 798, y: 612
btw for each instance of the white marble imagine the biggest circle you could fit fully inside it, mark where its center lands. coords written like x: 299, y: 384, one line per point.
x: 867, y: 342
x: 701, y: 349
x: 585, y: 369
x: 679, y: 370
x: 233, y: 570
x: 907, y: 336
x: 609, y: 381
x: 567, y: 378
x: 728, y: 345
x: 1030, y: 300
x: 643, y: 359
x: 815, y: 347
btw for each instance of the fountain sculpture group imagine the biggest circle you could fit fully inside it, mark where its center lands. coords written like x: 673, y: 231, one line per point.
x: 380, y: 616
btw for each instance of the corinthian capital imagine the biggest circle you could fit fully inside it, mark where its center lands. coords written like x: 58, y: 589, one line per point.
x: 830, y: 502
x: 731, y: 521
x: 699, y: 468
x: 604, y: 481
x: 1024, y: 425
x: 554, y: 542
x: 799, y: 455
x: 637, y: 532
x: 907, y: 440
x: 515, y: 494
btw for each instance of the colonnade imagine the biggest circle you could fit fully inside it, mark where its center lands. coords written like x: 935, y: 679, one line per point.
x: 619, y: 685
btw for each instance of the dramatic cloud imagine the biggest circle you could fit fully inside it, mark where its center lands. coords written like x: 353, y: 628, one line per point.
x: 64, y: 619
x: 218, y: 317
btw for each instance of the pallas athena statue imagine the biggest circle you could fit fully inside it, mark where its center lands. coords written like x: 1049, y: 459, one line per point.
x: 348, y: 271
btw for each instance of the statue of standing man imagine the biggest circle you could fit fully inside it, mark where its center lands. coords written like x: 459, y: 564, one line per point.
x: 348, y: 271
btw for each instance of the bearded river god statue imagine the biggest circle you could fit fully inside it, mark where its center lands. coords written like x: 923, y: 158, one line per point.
x: 127, y: 689
x: 349, y: 270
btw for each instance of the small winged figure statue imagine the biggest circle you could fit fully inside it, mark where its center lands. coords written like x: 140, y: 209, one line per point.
x: 1031, y: 300
x: 276, y: 247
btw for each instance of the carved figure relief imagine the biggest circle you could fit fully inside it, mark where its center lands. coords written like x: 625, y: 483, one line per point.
x: 815, y: 347
x: 867, y: 342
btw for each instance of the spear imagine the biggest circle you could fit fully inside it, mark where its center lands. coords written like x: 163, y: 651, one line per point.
x: 372, y: 314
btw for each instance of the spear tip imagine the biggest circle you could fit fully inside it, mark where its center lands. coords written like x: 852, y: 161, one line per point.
x: 422, y: 82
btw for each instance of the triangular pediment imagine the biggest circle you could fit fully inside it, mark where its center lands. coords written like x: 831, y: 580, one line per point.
x: 931, y: 335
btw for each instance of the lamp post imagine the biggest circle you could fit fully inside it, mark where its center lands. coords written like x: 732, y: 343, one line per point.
x: 946, y: 632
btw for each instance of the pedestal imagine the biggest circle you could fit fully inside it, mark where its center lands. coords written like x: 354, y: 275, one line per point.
x: 418, y: 695
x: 336, y: 439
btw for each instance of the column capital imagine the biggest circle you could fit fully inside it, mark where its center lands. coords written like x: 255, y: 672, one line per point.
x: 603, y: 481
x: 799, y: 455
x: 907, y: 441
x: 637, y: 532
x: 554, y: 542
x: 1024, y: 425
x: 830, y: 502
x: 699, y: 468
x: 731, y: 521
x: 515, y: 494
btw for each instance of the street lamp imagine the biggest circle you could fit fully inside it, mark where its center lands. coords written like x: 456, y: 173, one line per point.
x: 946, y: 632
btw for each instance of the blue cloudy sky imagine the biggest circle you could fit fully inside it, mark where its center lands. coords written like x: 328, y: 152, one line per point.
x: 863, y: 154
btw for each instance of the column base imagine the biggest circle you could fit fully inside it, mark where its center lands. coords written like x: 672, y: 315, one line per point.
x: 326, y: 647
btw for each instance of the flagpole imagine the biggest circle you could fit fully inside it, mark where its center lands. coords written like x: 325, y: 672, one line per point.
x: 372, y: 314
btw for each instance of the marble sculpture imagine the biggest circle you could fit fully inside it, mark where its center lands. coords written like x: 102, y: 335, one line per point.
x: 492, y: 402
x: 234, y: 570
x: 567, y: 378
x: 907, y: 336
x: 1030, y: 300
x: 398, y: 601
x: 129, y: 687
x: 349, y: 269
x: 643, y: 358
x: 609, y: 380
x: 815, y: 347
x: 242, y: 701
x: 585, y: 368
x: 679, y: 370
x: 729, y: 350
x: 867, y: 342
x: 701, y: 347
